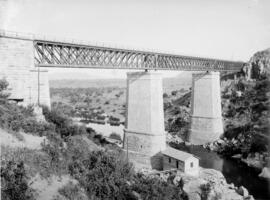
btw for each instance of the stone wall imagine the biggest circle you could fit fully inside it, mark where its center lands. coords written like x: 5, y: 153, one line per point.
x: 17, y: 67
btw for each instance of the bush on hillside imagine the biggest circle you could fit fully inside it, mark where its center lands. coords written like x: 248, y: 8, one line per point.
x: 103, y: 176
x: 14, y: 182
x: 90, y: 132
x: 154, y: 188
x: 180, y: 122
x: 64, y: 125
x: 15, y: 118
x: 65, y: 108
x: 115, y: 119
x: 31, y: 125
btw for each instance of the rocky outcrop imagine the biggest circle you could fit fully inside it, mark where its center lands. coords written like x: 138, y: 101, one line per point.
x: 265, y: 173
x: 211, y: 184
x: 173, y: 138
x: 258, y: 66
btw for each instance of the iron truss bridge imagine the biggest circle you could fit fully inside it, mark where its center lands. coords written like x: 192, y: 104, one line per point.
x: 68, y: 55
x: 52, y: 52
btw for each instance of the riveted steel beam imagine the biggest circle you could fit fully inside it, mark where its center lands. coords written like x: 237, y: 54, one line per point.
x: 69, y: 55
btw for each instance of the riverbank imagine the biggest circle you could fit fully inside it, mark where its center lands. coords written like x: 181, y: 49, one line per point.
x: 234, y: 170
x: 209, y: 184
x: 257, y: 160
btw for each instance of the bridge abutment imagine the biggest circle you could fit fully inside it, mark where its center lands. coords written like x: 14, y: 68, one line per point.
x: 144, y: 136
x: 206, y: 116
x: 17, y: 67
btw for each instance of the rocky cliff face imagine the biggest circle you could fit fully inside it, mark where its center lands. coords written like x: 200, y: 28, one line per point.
x: 258, y: 66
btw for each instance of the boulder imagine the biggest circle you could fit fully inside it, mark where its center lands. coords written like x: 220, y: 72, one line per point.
x: 213, y: 176
x: 231, y: 186
x: 242, y: 191
x: 265, y: 173
x: 220, y: 141
x: 238, y: 93
x: 259, y: 65
x: 193, y: 188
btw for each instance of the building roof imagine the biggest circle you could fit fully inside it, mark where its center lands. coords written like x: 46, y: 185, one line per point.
x: 177, y: 154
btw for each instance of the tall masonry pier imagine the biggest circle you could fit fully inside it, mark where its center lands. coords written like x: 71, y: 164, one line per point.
x: 17, y: 66
x: 206, y: 118
x: 144, y: 136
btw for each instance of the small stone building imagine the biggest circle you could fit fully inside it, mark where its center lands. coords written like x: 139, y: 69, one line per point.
x: 185, y: 162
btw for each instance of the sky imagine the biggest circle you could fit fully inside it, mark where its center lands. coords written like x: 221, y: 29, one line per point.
x: 224, y: 29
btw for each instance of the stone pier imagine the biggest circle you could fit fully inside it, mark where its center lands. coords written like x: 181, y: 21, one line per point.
x: 17, y: 67
x: 206, y: 118
x: 144, y: 136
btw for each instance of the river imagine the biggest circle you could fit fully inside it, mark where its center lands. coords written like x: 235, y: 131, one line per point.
x: 234, y: 171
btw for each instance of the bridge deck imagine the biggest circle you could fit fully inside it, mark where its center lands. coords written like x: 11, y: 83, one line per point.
x: 53, y: 53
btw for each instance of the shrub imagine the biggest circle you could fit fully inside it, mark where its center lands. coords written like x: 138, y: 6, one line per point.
x: 206, y: 189
x: 14, y: 182
x: 173, y: 93
x: 15, y: 118
x: 103, y: 175
x: 112, y: 118
x: 56, y: 117
x: 63, y: 125
x: 91, y: 132
x: 31, y: 125
x: 154, y: 188
x: 165, y: 95
x: 115, y: 136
